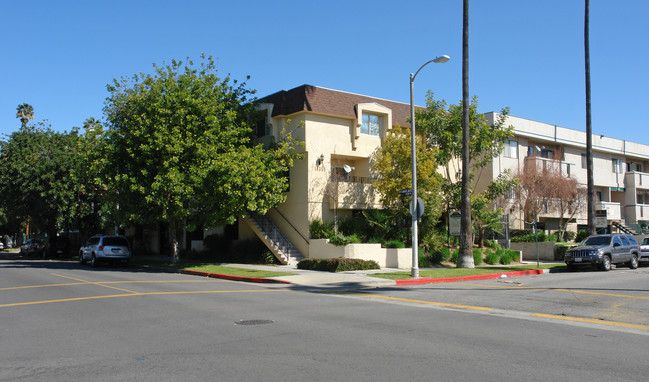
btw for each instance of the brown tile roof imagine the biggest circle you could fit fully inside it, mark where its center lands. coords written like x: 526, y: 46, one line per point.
x: 330, y: 102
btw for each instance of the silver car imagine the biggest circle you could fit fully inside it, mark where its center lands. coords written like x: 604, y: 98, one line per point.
x: 644, y: 250
x: 106, y: 249
x: 604, y: 250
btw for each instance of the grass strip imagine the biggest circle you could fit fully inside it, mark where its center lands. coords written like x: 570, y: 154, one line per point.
x: 462, y: 272
x: 211, y: 268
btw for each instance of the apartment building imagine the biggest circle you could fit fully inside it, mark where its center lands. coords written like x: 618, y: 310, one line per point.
x: 620, y: 172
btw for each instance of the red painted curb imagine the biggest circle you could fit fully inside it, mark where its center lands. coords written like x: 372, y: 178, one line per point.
x: 466, y: 278
x: 234, y: 278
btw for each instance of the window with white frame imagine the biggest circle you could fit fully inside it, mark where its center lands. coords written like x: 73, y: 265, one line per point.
x: 372, y: 124
x: 617, y: 166
x: 511, y: 149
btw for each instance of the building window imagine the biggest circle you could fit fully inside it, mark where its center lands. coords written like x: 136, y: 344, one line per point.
x: 640, y: 198
x: 545, y: 153
x: 530, y: 151
x: 511, y: 149
x: 372, y: 124
x: 617, y: 165
x: 638, y: 167
x: 584, y: 161
x: 598, y: 194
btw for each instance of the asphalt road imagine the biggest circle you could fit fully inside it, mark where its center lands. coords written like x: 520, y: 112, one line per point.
x: 65, y: 322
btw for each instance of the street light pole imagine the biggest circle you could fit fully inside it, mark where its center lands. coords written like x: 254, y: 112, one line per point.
x: 415, y: 246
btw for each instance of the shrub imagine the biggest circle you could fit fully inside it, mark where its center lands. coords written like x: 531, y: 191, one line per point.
x: 337, y: 264
x: 505, y: 258
x: 493, y: 244
x: 269, y: 258
x: 319, y: 229
x: 560, y: 252
x: 492, y: 258
x: 424, y: 261
x: 376, y: 240
x: 569, y: 235
x: 552, y: 237
x: 477, y: 256
x: 581, y: 235
x: 439, y: 256
x: 394, y: 244
x: 340, y: 239
x: 454, y: 255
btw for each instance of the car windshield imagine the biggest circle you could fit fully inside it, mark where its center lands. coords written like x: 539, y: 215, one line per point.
x: 116, y: 241
x: 598, y: 240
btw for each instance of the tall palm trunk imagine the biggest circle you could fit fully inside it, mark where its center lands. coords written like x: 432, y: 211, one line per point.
x: 465, y: 256
x: 589, y: 131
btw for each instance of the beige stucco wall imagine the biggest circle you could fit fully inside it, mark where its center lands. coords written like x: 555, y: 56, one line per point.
x: 385, y: 257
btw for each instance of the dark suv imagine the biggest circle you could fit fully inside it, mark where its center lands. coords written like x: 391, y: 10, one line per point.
x: 114, y: 249
x: 604, y: 250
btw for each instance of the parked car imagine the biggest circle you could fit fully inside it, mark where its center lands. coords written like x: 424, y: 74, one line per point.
x: 2, y: 246
x: 604, y: 250
x: 107, y: 249
x: 644, y: 250
x: 33, y: 247
x: 58, y: 246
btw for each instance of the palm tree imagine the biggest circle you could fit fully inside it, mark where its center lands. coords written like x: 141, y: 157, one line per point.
x: 589, y: 130
x: 24, y: 112
x: 465, y: 256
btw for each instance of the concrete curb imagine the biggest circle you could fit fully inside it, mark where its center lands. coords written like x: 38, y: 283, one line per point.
x: 234, y: 278
x: 468, y: 278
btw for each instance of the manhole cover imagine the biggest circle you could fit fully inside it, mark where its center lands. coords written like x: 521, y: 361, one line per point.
x: 253, y: 322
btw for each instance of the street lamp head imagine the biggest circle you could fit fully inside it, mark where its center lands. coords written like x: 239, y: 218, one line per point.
x: 441, y: 59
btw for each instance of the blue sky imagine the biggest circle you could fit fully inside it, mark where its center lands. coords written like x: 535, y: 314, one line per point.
x: 58, y: 56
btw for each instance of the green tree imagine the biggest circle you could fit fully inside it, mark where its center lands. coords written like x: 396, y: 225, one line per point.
x: 391, y: 162
x: 179, y: 149
x: 37, y: 178
x: 24, y: 112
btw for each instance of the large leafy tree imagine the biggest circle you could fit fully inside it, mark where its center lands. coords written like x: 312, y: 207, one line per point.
x: 179, y: 149
x: 39, y: 180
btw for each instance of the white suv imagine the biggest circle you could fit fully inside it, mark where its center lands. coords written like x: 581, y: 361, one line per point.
x: 114, y: 249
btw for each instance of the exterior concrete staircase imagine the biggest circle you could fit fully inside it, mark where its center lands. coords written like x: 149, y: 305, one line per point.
x: 278, y: 244
x: 624, y: 228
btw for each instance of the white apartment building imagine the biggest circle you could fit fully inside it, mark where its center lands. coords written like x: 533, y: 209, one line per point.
x: 620, y: 170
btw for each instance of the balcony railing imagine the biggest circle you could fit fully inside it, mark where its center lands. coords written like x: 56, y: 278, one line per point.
x: 635, y: 179
x: 540, y: 163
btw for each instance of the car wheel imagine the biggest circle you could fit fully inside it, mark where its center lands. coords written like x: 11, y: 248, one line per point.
x: 81, y: 259
x: 633, y: 263
x: 606, y: 264
x: 93, y: 261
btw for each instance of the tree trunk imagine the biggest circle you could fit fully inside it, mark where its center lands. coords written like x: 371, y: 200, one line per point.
x: 173, y: 241
x: 589, y: 131
x: 465, y: 255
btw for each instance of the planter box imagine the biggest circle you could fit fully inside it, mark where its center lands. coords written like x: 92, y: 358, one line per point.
x: 385, y: 257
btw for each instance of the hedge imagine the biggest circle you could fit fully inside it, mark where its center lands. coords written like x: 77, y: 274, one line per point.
x: 337, y: 264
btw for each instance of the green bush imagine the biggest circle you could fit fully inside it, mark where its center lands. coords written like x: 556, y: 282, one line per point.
x: 477, y: 256
x: 320, y: 229
x: 424, y: 261
x: 560, y: 252
x: 454, y: 255
x: 493, y: 244
x: 581, y: 235
x: 269, y: 258
x: 439, y: 256
x: 569, y: 235
x: 506, y: 258
x: 337, y: 264
x: 394, y: 244
x: 340, y: 239
x: 492, y: 258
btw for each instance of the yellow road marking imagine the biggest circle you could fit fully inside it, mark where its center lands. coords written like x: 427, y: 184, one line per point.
x: 590, y: 321
x: 94, y: 283
x: 138, y: 294
x: 423, y: 302
x: 115, y: 282
x: 560, y: 290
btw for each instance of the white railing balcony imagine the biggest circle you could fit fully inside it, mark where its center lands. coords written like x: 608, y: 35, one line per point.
x: 613, y: 210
